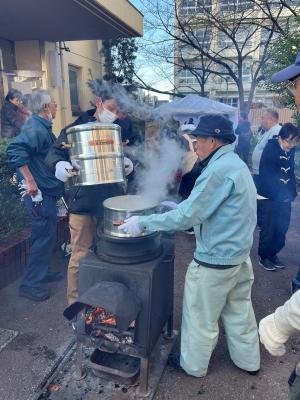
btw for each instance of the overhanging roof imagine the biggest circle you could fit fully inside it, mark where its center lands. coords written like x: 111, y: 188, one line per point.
x: 59, y: 20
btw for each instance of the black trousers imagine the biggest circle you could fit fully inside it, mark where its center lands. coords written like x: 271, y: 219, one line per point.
x: 275, y: 219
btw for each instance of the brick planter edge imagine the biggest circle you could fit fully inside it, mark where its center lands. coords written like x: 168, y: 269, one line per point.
x: 14, y: 253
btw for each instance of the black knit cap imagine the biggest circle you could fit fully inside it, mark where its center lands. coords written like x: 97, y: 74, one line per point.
x: 216, y: 126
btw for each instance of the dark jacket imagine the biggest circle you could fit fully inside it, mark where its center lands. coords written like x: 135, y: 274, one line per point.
x: 244, y: 133
x: 30, y: 148
x: 276, y: 180
x: 81, y: 199
x: 12, y: 119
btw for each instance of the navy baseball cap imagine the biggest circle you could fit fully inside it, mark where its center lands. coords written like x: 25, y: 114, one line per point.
x: 288, y: 73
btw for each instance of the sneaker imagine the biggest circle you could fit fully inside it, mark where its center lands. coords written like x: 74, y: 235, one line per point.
x: 34, y: 294
x: 277, y: 263
x: 267, y: 264
x: 174, y: 361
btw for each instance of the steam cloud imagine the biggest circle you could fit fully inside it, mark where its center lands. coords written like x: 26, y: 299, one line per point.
x: 160, y: 163
x: 161, y: 159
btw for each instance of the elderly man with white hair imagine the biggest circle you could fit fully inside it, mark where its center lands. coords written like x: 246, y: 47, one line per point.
x: 42, y: 189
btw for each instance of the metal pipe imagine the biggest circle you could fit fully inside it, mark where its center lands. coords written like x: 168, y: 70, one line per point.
x: 63, y: 86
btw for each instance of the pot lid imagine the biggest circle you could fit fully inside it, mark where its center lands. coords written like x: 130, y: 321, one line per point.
x: 129, y: 203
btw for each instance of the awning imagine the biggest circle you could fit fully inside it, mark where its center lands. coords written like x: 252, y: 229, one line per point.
x: 64, y: 20
x: 193, y: 107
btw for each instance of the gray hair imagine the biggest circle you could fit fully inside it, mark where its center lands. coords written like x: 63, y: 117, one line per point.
x: 38, y: 100
x: 273, y: 113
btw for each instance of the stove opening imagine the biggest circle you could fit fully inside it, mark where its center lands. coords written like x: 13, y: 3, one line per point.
x: 100, y: 323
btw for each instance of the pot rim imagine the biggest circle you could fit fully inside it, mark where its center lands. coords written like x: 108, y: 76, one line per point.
x: 127, y: 209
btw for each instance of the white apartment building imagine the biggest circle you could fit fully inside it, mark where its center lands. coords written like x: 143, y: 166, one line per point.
x: 250, y: 39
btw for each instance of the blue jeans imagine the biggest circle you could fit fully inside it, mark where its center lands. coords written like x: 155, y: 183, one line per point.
x: 43, y: 234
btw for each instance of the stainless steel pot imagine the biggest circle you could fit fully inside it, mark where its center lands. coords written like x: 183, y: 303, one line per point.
x: 97, y: 149
x: 117, y: 209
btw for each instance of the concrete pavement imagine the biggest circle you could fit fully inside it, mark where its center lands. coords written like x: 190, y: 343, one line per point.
x: 44, y: 335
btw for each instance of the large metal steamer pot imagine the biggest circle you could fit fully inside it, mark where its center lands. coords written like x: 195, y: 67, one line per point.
x: 117, y: 209
x: 97, y: 149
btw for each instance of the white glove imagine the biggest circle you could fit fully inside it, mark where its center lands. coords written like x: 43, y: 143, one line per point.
x: 170, y: 204
x: 131, y: 226
x: 38, y: 197
x: 271, y: 337
x: 23, y: 191
x: 64, y: 171
x: 128, y: 166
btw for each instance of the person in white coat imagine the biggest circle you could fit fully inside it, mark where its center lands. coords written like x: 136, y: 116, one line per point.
x: 275, y: 330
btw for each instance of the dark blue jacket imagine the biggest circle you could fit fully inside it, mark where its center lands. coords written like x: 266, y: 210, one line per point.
x: 276, y: 180
x: 86, y: 200
x: 30, y: 148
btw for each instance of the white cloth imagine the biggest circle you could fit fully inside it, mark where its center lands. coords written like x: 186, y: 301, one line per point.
x: 271, y: 337
x: 64, y: 171
x: 128, y: 164
x: 131, y: 226
x: 275, y: 329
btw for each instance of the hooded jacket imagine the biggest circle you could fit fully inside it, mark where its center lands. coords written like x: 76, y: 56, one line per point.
x: 221, y: 208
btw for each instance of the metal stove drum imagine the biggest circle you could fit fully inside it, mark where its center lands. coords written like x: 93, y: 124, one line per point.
x: 125, y: 295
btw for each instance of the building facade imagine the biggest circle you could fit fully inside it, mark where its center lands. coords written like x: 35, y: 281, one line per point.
x: 243, y: 33
x: 34, y: 56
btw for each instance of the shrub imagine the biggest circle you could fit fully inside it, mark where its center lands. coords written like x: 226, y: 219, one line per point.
x: 12, y: 213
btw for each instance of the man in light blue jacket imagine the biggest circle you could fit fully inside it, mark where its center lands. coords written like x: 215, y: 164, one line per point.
x: 222, y: 210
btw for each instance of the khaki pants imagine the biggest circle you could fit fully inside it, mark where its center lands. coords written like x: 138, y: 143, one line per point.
x: 211, y: 294
x: 82, y: 229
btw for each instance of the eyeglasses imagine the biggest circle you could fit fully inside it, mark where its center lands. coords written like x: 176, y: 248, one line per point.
x: 291, y: 86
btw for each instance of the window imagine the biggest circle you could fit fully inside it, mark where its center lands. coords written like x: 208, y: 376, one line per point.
x: 188, y: 7
x: 243, y: 37
x: 200, y: 37
x: 246, y: 72
x: 74, y: 79
x: 231, y: 101
x: 187, y: 77
x: 235, y: 5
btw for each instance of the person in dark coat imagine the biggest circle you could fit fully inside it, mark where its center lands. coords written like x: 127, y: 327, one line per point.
x: 85, y: 202
x: 244, y: 133
x: 277, y: 187
x: 12, y: 117
x: 27, y: 153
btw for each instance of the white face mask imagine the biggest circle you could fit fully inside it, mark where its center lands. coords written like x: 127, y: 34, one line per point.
x: 107, y: 116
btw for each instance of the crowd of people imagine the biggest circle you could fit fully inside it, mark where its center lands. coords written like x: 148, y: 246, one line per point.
x: 221, y: 201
